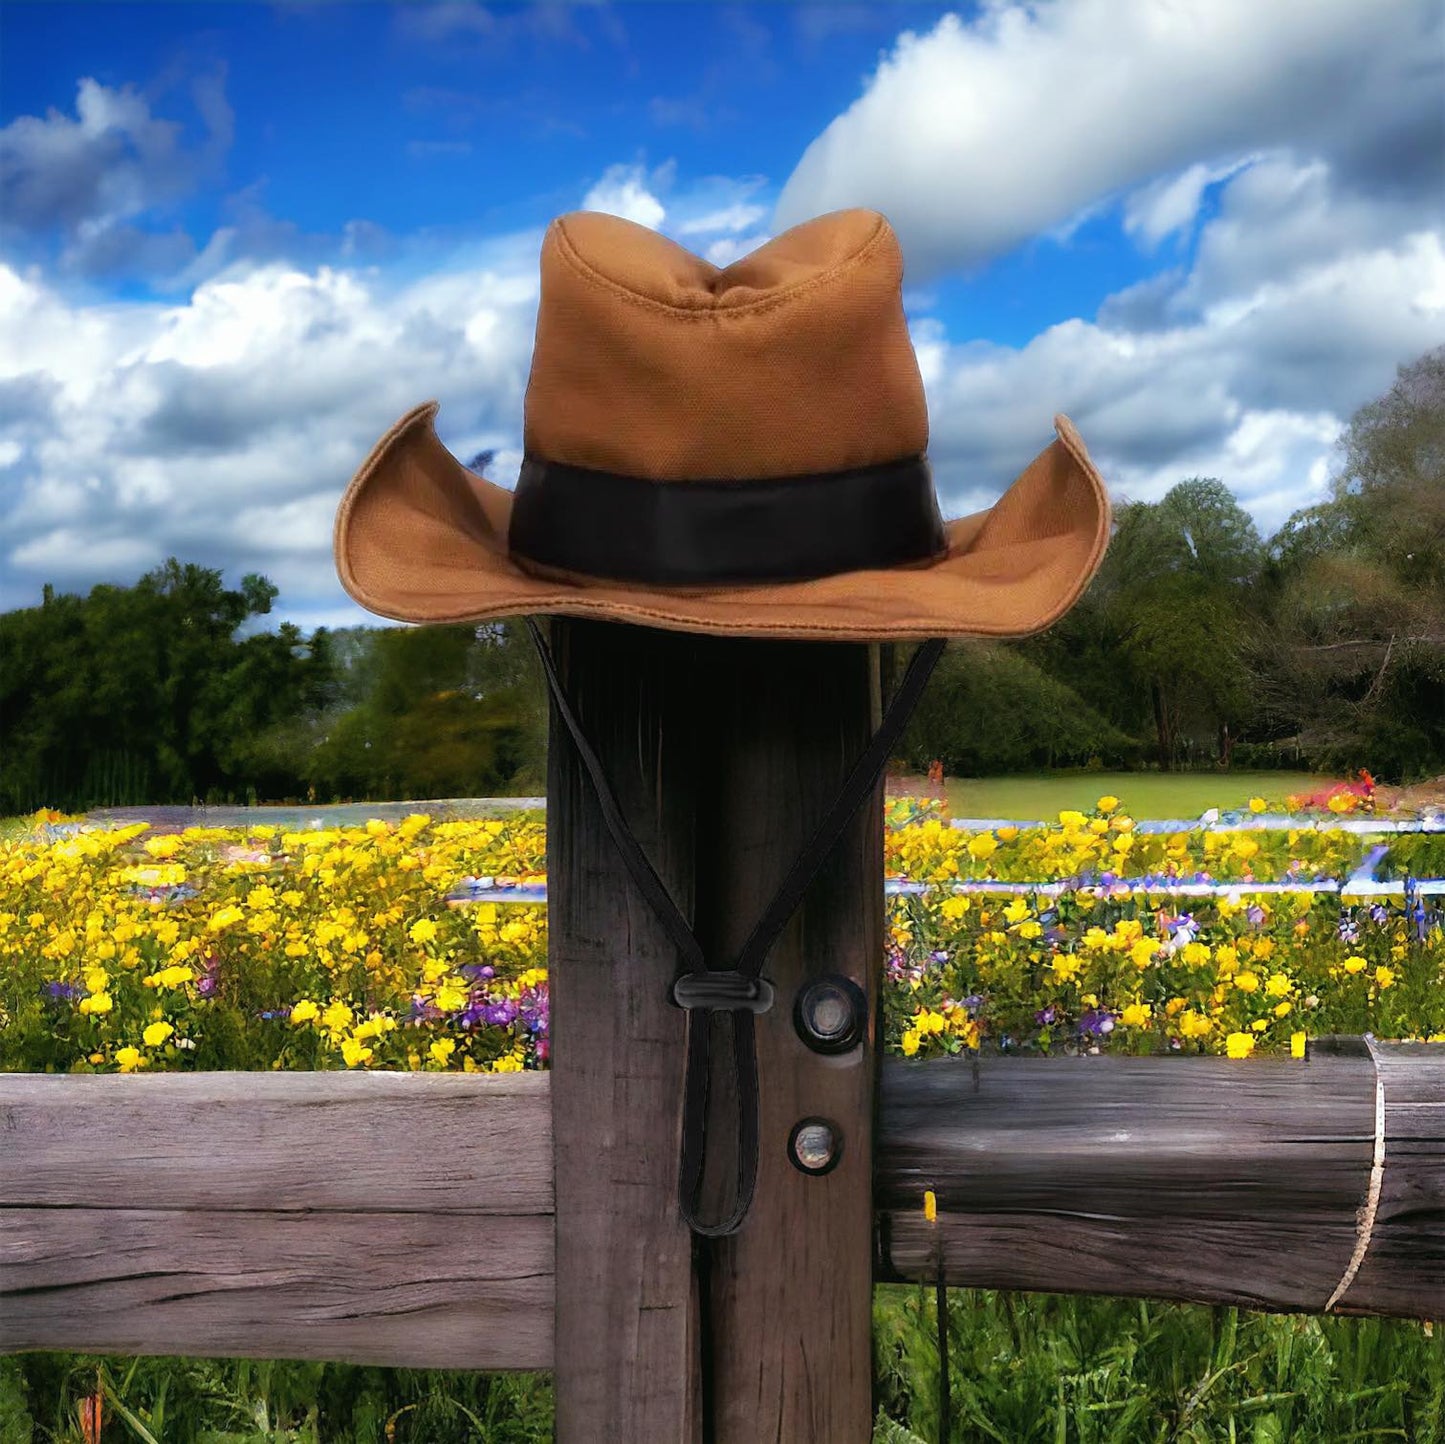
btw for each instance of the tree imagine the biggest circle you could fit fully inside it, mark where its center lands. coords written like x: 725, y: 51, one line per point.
x: 1158, y: 644
x: 1356, y: 657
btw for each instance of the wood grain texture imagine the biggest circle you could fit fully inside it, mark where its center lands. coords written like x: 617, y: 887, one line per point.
x: 386, y: 1218
x: 406, y: 1219
x: 1202, y: 1179
x: 791, y: 1292
x: 405, y: 1290
x: 1406, y: 1257
x: 627, y: 1362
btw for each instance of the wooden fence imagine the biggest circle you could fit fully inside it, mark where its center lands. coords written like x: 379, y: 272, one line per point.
x: 531, y: 1220
x: 407, y: 1219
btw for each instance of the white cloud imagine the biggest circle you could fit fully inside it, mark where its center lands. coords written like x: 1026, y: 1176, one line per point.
x: 736, y: 217
x: 624, y: 191
x: 983, y: 134
x: 86, y: 177
x: 1253, y: 389
x: 224, y: 429
x: 1171, y: 204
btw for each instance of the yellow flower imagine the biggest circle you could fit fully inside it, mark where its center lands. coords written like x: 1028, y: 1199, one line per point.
x: 1260, y: 1024
x: 423, y: 931
x: 1246, y: 982
x: 1297, y: 1045
x: 509, y: 1064
x: 304, y: 1011
x: 927, y: 1021
x: 442, y: 1050
x: 157, y: 1034
x: 1355, y: 965
x: 1239, y: 1045
x: 1277, y: 986
x: 1065, y: 965
x: 1107, y: 804
x: 1017, y: 910
x: 224, y: 918
x: 449, y: 998
x: 954, y: 908
x: 1244, y: 847
x: 96, y: 980
x: 1283, y: 1010
x: 1384, y: 976
x: 910, y: 1042
x: 1257, y: 804
x: 97, y: 1003
x: 1194, y: 1025
x: 337, y: 1015
x: 354, y: 1052
x: 983, y: 846
x: 1136, y: 1015
x: 1341, y: 802
x: 1195, y: 953
x: 129, y: 1059
x: 1141, y: 954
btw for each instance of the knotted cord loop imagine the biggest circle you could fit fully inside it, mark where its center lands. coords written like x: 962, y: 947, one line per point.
x: 723, y: 988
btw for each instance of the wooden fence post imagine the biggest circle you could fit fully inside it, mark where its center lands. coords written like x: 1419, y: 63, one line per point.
x: 725, y: 754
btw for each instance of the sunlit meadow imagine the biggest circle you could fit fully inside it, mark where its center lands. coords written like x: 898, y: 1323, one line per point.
x: 365, y: 948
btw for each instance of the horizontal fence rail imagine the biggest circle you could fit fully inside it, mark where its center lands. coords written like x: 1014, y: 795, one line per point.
x: 406, y: 1219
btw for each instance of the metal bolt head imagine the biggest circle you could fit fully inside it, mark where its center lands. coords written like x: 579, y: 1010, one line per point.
x: 830, y: 1014
x: 815, y: 1146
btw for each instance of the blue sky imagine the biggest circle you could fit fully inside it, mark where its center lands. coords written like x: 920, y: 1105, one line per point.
x: 236, y: 241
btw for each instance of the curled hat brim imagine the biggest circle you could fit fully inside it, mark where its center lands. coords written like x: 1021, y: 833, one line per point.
x: 420, y: 538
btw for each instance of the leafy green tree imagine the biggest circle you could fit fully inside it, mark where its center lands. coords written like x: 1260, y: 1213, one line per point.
x: 1159, y: 644
x: 1355, y: 660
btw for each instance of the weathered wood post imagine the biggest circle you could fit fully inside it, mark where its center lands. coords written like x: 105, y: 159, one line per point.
x: 724, y: 755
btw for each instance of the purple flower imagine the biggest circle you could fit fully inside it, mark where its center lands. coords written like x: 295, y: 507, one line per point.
x: 61, y: 990
x: 1096, y: 1023
x: 1048, y: 1015
x: 973, y: 1003
x: 1255, y: 914
x: 206, y: 985
x: 939, y: 957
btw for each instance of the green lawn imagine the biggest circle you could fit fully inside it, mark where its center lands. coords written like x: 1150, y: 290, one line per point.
x: 1144, y: 794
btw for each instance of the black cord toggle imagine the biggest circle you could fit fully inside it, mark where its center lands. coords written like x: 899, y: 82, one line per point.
x: 723, y: 988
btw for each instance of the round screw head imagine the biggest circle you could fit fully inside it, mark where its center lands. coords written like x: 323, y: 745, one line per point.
x: 830, y: 1014
x: 815, y: 1146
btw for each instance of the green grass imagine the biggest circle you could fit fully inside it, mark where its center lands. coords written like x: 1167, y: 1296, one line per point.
x: 1145, y: 794
x: 1024, y: 1369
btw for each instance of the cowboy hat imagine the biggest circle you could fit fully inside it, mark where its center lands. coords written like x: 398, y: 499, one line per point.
x: 737, y: 451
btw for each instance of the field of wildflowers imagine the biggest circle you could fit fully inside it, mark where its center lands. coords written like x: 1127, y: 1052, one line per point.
x: 367, y: 947
x: 362, y: 947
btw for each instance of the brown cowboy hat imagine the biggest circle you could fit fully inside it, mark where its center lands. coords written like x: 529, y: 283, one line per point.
x: 737, y: 451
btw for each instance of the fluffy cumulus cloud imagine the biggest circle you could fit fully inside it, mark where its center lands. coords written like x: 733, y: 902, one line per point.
x: 224, y: 429
x: 982, y: 134
x: 87, y: 178
x: 1281, y: 164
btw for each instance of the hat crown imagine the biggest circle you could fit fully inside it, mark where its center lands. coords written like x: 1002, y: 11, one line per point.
x: 794, y: 360
x: 652, y: 266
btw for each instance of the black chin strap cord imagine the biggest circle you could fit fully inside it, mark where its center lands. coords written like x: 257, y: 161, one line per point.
x: 739, y: 990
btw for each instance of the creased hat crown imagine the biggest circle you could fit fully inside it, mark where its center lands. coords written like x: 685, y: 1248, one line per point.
x: 652, y: 362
